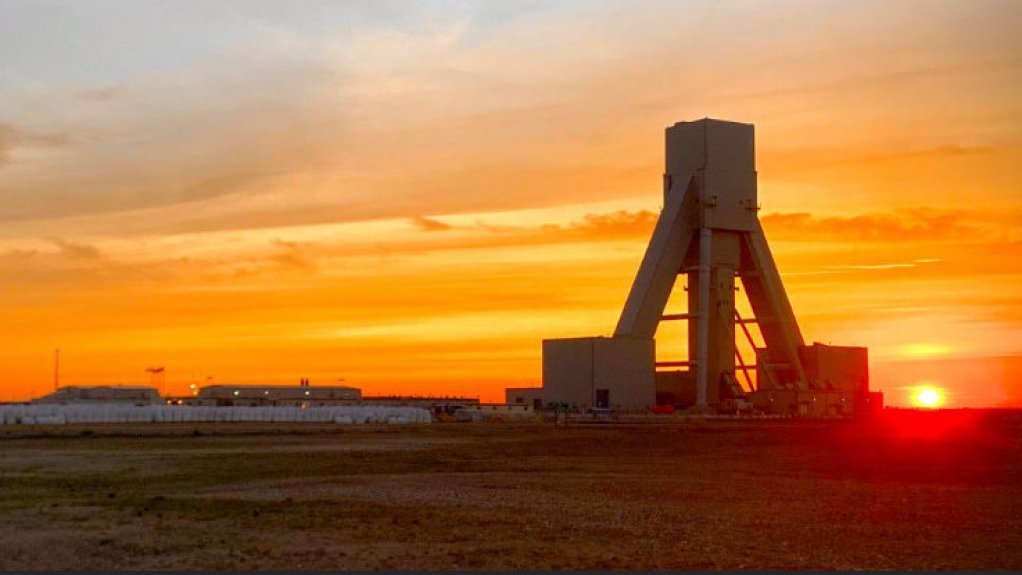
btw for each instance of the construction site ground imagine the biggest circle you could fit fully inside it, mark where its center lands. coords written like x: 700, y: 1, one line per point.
x: 904, y: 490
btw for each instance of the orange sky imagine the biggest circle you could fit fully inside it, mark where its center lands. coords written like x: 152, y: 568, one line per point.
x: 412, y: 198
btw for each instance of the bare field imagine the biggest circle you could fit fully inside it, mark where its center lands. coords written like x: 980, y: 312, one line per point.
x: 908, y: 490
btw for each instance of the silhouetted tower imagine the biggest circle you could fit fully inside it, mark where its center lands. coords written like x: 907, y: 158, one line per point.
x: 709, y: 231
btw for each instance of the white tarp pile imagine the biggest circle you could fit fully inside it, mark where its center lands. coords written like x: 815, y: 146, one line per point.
x: 120, y: 413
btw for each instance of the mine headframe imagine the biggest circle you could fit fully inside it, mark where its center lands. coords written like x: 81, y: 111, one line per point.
x: 710, y: 232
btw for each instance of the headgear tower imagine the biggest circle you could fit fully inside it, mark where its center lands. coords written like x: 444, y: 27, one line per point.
x: 709, y: 230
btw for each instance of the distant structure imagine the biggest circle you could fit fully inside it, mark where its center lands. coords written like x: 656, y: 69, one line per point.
x: 709, y: 231
x: 254, y: 395
x: 420, y: 400
x: 524, y: 396
x: 437, y: 404
x: 102, y: 394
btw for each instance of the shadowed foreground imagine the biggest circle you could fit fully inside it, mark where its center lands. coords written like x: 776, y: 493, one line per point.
x: 911, y: 490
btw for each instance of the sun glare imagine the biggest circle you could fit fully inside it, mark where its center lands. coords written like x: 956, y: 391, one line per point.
x: 925, y: 350
x: 928, y: 397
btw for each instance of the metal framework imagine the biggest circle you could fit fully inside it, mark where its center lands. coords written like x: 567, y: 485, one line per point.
x: 710, y: 231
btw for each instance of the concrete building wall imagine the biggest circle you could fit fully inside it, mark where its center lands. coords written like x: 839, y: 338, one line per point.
x: 585, y: 371
x: 532, y: 396
x: 725, y: 154
x: 677, y: 388
x: 568, y: 371
x: 625, y: 368
x: 836, y: 367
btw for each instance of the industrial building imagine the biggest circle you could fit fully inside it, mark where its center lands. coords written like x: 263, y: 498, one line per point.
x: 310, y: 396
x: 303, y: 395
x: 709, y: 232
x: 131, y: 395
x: 256, y: 395
x: 524, y: 396
x: 428, y: 401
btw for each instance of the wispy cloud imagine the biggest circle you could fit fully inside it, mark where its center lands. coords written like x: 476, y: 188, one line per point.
x: 460, y: 110
x: 104, y: 94
x: 917, y: 224
x: 430, y: 224
x: 12, y: 137
x: 77, y: 250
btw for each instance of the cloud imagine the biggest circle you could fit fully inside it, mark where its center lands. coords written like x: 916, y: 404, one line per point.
x: 77, y: 250
x: 617, y: 224
x: 293, y: 255
x: 12, y: 137
x: 8, y: 137
x: 104, y: 94
x: 592, y: 227
x: 803, y: 161
x: 916, y: 224
x: 463, y: 111
x: 429, y: 224
x: 293, y: 260
x: 67, y: 252
x: 48, y: 268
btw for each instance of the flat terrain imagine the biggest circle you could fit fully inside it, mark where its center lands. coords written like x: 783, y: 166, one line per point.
x: 907, y: 490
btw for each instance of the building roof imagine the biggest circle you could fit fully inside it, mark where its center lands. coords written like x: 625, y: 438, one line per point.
x: 101, y: 393
x: 282, y: 387
x: 102, y: 387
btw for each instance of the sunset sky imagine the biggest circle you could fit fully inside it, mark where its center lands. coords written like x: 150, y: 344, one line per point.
x: 409, y: 196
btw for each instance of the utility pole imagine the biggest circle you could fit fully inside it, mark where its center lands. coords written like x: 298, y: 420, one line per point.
x: 56, y: 369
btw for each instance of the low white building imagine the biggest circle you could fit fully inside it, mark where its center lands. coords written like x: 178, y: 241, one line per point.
x: 132, y: 395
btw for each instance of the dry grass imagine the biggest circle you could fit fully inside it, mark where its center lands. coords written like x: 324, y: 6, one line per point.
x: 909, y: 491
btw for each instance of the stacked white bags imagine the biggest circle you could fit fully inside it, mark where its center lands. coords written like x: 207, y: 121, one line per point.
x: 118, y: 413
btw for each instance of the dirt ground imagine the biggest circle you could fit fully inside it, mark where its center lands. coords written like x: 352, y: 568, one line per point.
x: 907, y: 490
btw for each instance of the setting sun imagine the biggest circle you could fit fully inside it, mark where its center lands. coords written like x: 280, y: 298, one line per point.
x: 928, y: 397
